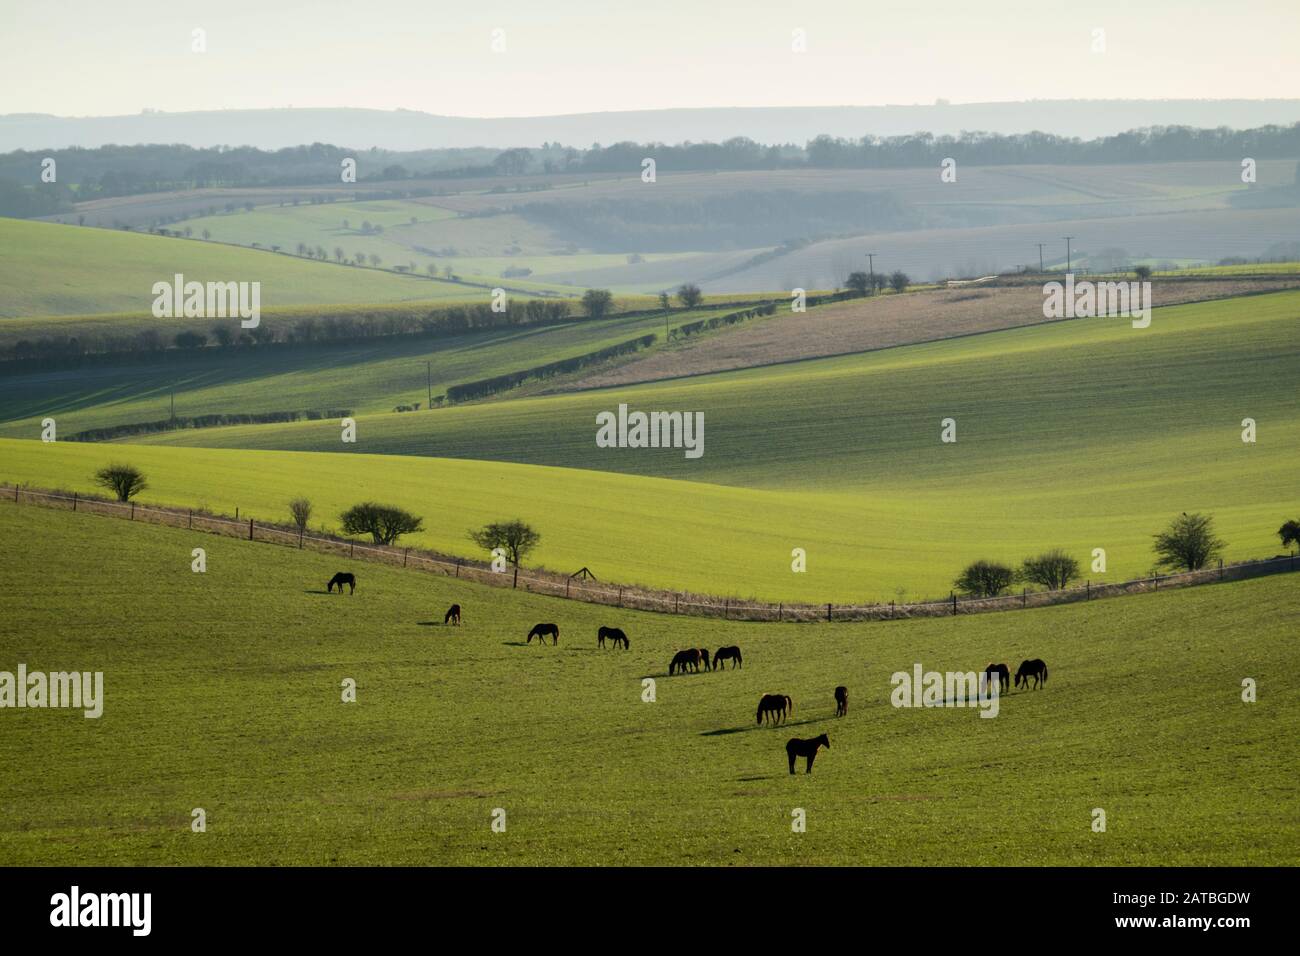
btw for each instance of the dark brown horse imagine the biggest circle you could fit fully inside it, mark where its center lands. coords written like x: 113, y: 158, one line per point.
x: 1003, y: 674
x: 1035, y: 670
x: 342, y: 578
x: 704, y: 658
x: 453, y: 615
x: 841, y: 701
x: 683, y: 659
x: 774, y: 707
x: 798, y: 747
x: 540, y: 631
x: 731, y: 653
x: 614, y: 634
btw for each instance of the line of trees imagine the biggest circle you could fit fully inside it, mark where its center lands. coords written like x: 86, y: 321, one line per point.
x: 342, y: 327
x: 1189, y: 543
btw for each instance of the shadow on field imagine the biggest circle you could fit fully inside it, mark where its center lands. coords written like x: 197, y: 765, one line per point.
x: 318, y: 591
x: 432, y: 624
x: 752, y: 779
x: 745, y: 730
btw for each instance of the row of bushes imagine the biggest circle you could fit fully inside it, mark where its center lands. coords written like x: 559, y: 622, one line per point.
x: 500, y: 383
x: 1189, y: 543
x: 204, y: 421
x: 344, y: 327
x: 717, y: 321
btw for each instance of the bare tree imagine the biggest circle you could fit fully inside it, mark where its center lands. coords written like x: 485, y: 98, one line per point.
x: 1053, y: 569
x: 1189, y: 543
x: 384, y: 523
x: 300, y: 508
x: 516, y: 538
x: 985, y: 579
x: 125, y: 481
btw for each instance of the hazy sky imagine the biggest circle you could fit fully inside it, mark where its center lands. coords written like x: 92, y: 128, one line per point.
x: 95, y: 57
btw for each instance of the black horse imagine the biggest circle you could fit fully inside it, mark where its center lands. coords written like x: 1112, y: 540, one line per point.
x: 342, y: 578
x: 1035, y: 670
x: 684, y: 659
x: 540, y: 631
x: 841, y: 701
x: 1003, y: 674
x: 704, y: 658
x: 453, y: 615
x: 774, y: 706
x: 798, y: 747
x: 731, y: 653
x: 614, y: 634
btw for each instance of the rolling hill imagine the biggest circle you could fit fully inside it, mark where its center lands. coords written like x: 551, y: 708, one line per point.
x: 56, y: 270
x: 1079, y: 434
x: 221, y: 691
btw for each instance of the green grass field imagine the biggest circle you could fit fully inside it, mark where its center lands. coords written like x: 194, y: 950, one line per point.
x: 69, y: 270
x: 368, y: 377
x: 223, y: 691
x: 1080, y: 435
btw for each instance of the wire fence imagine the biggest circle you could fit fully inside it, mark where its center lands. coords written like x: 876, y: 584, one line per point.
x: 623, y: 596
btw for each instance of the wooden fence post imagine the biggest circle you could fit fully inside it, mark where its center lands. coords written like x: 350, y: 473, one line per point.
x: 1089, y: 597
x: 352, y: 549
x: 567, y: 582
x: 250, y: 529
x: 779, y: 609
x: 954, y: 601
x: 1220, y: 569
x: 828, y: 612
x: 1024, y: 597
x: 676, y: 603
x: 516, y: 583
x: 74, y: 508
x: 191, y: 524
x: 133, y: 511
x: 404, y: 556
x: 458, y: 567
x: 300, y: 530
x: 620, y: 597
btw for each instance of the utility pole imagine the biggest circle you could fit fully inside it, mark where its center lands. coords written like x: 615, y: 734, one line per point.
x: 173, y: 404
x: 1067, y: 252
x: 871, y: 266
x: 428, y: 383
x: 1040, y: 257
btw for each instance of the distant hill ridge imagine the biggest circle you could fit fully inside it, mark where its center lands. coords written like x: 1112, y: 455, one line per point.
x: 407, y: 129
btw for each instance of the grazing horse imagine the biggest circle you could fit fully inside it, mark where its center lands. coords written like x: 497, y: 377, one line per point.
x: 704, y: 658
x: 774, y: 706
x: 1034, y: 669
x: 540, y: 631
x: 731, y: 653
x: 1003, y: 675
x: 342, y: 578
x: 841, y: 704
x: 453, y: 615
x: 615, y: 635
x: 798, y: 747
x: 683, y: 659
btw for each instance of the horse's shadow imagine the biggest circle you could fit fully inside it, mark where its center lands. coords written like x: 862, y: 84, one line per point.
x: 432, y: 624
x: 745, y: 730
x: 318, y: 591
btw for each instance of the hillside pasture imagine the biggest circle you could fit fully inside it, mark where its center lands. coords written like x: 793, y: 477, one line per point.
x: 235, y: 706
